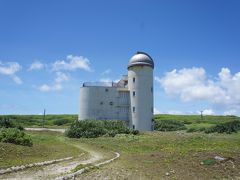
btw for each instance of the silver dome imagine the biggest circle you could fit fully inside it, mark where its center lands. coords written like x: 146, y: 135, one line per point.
x: 141, y: 58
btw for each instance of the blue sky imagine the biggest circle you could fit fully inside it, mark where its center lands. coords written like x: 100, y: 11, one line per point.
x: 48, y: 48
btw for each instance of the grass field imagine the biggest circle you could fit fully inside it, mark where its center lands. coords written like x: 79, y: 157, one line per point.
x: 150, y: 155
x: 46, y: 146
x: 174, y: 155
x: 51, y: 119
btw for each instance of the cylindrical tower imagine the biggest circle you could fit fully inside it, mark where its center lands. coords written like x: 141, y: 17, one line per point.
x: 140, y: 84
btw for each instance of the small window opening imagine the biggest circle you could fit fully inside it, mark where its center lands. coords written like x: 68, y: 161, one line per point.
x: 106, y: 90
x: 101, y: 103
x: 111, y: 103
x: 133, y: 126
x: 151, y: 89
x: 134, y: 79
x: 134, y: 109
x: 134, y: 93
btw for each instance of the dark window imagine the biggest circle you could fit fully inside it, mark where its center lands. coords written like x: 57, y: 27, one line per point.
x: 151, y: 89
x: 111, y: 103
x: 134, y: 79
x: 133, y: 126
x: 106, y: 90
x: 134, y: 93
x: 133, y: 108
x: 152, y: 110
x: 101, y: 103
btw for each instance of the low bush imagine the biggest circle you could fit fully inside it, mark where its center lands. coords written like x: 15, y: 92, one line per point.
x: 15, y: 136
x: 97, y: 128
x: 228, y: 127
x: 60, y: 122
x: 169, y: 125
x: 196, y: 129
x: 7, y: 123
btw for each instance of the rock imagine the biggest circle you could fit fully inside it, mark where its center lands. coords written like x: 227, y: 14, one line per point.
x: 218, y: 158
x: 167, y: 173
x: 201, y: 163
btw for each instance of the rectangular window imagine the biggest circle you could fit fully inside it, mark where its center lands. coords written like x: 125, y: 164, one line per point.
x: 151, y: 89
x: 133, y: 108
x: 134, y: 79
x: 134, y: 93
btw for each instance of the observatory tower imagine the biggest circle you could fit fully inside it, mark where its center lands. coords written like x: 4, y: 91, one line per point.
x: 140, y: 85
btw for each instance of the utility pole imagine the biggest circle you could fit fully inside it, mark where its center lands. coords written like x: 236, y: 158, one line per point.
x: 43, y: 122
x: 201, y: 115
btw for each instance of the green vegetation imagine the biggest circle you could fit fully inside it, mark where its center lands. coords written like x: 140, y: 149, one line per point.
x: 46, y: 146
x: 151, y: 155
x: 228, y: 127
x: 7, y: 123
x: 196, y: 123
x: 37, y: 120
x: 169, y: 125
x: 15, y: 136
x: 97, y: 128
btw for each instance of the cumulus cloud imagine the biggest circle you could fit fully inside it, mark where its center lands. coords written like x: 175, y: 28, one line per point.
x: 37, y: 65
x: 72, y: 63
x: 57, y: 85
x: 193, y: 84
x: 10, y: 69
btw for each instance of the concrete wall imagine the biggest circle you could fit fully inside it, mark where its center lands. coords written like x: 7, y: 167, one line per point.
x: 97, y: 102
x: 143, y: 99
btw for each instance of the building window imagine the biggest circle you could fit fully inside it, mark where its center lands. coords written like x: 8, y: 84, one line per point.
x: 133, y: 126
x: 152, y: 109
x: 134, y: 79
x: 111, y: 103
x: 151, y: 89
x: 134, y: 93
x: 101, y: 103
x: 134, y: 109
x: 106, y: 90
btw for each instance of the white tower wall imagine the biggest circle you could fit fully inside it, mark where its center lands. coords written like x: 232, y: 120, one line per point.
x: 142, y: 101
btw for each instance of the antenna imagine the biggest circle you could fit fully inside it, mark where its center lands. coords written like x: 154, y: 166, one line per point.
x: 43, y: 121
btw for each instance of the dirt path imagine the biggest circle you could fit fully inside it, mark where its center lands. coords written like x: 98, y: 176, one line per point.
x: 59, y: 169
x: 45, y: 129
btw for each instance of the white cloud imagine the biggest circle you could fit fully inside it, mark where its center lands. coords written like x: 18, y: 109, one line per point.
x: 192, y: 84
x: 10, y: 69
x: 61, y: 77
x: 156, y: 111
x: 16, y: 79
x: 72, y: 63
x: 37, y: 65
x: 106, y: 72
x: 207, y: 112
x: 57, y: 85
x: 44, y: 88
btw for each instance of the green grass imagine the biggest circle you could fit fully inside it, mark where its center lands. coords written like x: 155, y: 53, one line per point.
x: 151, y: 155
x: 46, y: 146
x: 37, y: 120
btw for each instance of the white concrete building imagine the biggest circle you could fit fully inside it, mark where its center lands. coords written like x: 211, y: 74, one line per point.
x: 130, y: 99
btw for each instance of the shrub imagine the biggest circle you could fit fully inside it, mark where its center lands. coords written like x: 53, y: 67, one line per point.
x: 228, y: 127
x: 192, y: 130
x: 15, y: 136
x: 169, y: 125
x: 7, y: 123
x: 60, y: 122
x: 97, y: 128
